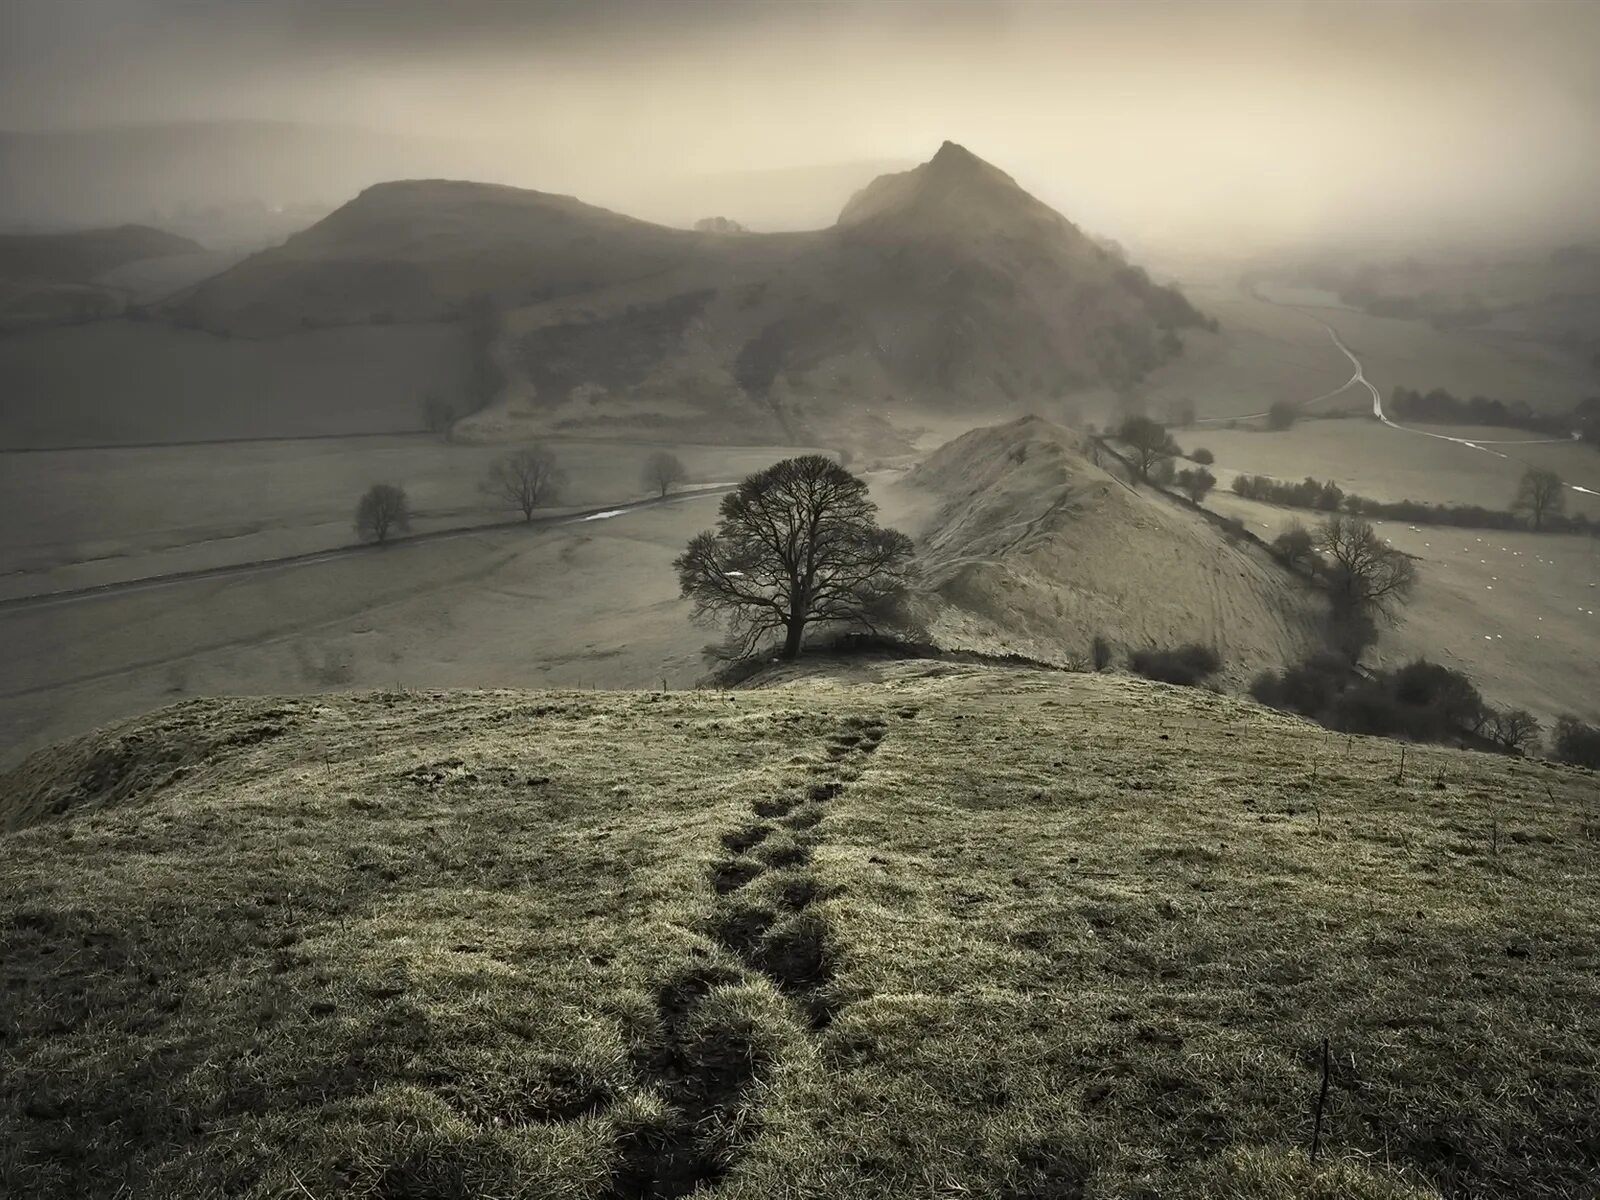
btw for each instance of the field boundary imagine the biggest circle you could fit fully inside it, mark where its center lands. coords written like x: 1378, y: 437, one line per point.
x: 66, y: 595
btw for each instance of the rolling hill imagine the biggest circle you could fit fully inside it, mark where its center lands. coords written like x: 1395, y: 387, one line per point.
x: 913, y: 929
x: 50, y: 278
x: 946, y: 286
x: 79, y: 257
x: 1031, y: 548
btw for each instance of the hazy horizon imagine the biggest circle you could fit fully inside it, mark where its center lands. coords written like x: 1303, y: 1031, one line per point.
x: 1197, y: 125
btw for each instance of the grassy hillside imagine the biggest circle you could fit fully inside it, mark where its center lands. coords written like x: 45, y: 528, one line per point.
x: 943, y: 931
x: 1030, y: 548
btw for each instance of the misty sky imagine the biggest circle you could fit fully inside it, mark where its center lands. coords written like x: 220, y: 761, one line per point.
x: 1147, y: 120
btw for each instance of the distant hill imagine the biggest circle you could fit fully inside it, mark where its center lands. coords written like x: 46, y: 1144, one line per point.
x: 79, y: 257
x: 56, y: 278
x: 947, y: 285
x: 1032, y: 549
x: 423, y: 250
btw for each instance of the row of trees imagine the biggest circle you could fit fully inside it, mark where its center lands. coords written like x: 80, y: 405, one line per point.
x: 1440, y: 407
x: 1539, y: 504
x: 524, y: 481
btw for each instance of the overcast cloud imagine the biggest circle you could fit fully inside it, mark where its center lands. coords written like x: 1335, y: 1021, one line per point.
x: 1149, y: 119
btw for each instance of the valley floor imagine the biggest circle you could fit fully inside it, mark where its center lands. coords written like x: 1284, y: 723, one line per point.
x: 907, y: 930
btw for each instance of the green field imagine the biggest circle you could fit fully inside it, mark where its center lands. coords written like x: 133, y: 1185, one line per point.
x: 960, y: 932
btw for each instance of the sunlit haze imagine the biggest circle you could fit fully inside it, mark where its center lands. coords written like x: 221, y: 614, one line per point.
x: 1164, y: 123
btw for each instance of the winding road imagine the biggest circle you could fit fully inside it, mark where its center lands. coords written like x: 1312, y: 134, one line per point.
x: 1359, y: 378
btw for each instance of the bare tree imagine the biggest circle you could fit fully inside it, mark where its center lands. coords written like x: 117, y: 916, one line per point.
x: 1515, y: 729
x: 525, y: 479
x: 383, y: 510
x: 796, y: 544
x: 1367, y: 579
x: 662, y: 470
x: 437, y: 414
x: 1540, y: 495
x: 1149, y: 442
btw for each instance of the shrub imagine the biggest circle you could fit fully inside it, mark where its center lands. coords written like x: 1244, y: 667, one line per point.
x: 1296, y: 548
x: 1203, y: 456
x: 1100, y: 652
x: 1281, y: 415
x: 1577, y: 742
x: 1187, y: 665
x: 1308, y: 688
x: 1196, y: 482
x: 1422, y: 701
x: 1449, y: 695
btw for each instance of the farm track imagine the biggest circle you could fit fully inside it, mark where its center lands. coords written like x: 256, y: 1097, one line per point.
x: 1360, y: 379
x: 707, y: 1072
x: 232, y: 570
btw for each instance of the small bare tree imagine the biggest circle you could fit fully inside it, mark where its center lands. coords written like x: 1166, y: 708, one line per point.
x: 1515, y: 729
x: 1367, y: 580
x: 437, y: 415
x: 383, y: 510
x: 1149, y: 443
x: 525, y: 479
x: 1539, y: 495
x: 662, y: 470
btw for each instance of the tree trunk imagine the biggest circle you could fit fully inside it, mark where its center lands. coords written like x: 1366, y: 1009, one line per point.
x: 791, y: 645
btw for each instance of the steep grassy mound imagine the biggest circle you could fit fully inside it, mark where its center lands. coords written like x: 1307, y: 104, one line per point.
x: 952, y: 931
x: 1032, y: 548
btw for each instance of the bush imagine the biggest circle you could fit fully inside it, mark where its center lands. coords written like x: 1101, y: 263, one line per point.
x: 1187, y: 665
x: 1448, y: 695
x: 1196, y: 482
x: 1100, y: 652
x: 1577, y: 742
x: 1308, y: 688
x: 1281, y: 415
x: 1296, y: 548
x: 1422, y: 701
x: 1203, y: 456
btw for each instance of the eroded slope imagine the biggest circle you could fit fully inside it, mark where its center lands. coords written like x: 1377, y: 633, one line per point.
x: 1031, y: 548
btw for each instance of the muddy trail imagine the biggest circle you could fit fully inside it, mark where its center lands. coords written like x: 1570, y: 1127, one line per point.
x: 706, y: 1074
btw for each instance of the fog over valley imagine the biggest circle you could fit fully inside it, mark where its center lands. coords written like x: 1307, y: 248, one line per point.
x: 1232, y: 125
